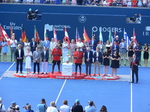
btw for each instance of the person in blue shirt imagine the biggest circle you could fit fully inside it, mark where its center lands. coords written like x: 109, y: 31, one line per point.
x: 46, y: 43
x: 42, y: 107
x: 91, y: 107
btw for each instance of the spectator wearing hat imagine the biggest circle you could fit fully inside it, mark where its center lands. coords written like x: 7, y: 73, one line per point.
x: 65, y: 107
x: 42, y: 106
x: 91, y: 107
x: 2, y: 107
x: 52, y: 107
x: 13, y: 107
x: 77, y: 107
x: 28, y: 108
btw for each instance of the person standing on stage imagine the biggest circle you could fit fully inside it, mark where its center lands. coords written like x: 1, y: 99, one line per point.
x: 78, y: 56
x: 123, y: 50
x: 130, y: 51
x: 56, y: 54
x: 28, y: 55
x: 13, y: 45
x: 46, y: 43
x: 45, y: 56
x: 146, y: 54
x: 88, y: 56
x: 138, y: 50
x: 26, y: 45
x: 106, y: 62
x: 115, y: 62
x: 19, y: 55
x: 134, y: 67
x: 108, y: 46
x: 100, y: 46
x: 21, y: 42
x: 36, y: 60
x: 65, y: 48
x: 80, y: 44
x: 115, y: 47
x: 93, y: 44
x: 72, y: 48
x: 33, y: 45
x: 52, y: 45
x: 4, y: 49
x: 97, y: 60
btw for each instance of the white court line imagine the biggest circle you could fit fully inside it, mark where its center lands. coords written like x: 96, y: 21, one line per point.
x: 7, y: 69
x: 60, y: 91
x: 131, y: 92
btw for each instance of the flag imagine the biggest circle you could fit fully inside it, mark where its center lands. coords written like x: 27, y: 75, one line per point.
x: 1, y: 34
x: 45, y: 33
x: 77, y: 35
x: 23, y: 35
x: 110, y: 37
x: 86, y: 37
x: 100, y: 35
x: 66, y: 36
x: 4, y: 35
x: 11, y: 31
x: 36, y: 35
x: 126, y: 38
x: 114, y: 39
x: 55, y: 35
x: 134, y: 36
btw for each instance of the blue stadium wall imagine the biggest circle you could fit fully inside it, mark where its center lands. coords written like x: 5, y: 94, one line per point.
x: 92, y: 18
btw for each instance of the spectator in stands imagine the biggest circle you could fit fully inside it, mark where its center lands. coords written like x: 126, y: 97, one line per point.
x: 144, y: 3
x: 65, y: 107
x: 21, y: 42
x: 148, y: 3
x: 45, y: 57
x: 88, y: 57
x: 130, y: 51
x: 93, y: 44
x: 77, y: 107
x: 2, y: 106
x: 13, y: 45
x: 28, y: 55
x: 42, y: 107
x: 56, y: 54
x: 19, y: 55
x: 46, y: 43
x: 33, y: 45
x: 97, y: 60
x: 79, y: 2
x: 91, y: 107
x: 138, y: 50
x: 72, y: 48
x: 36, y: 60
x: 4, y: 49
x: 106, y: 61
x: 146, y: 54
x: 139, y: 4
x: 52, y: 107
x: 123, y: 51
x: 115, y: 62
x: 104, y: 3
x: 103, y: 109
x: 78, y: 55
x: 13, y: 107
x: 28, y: 108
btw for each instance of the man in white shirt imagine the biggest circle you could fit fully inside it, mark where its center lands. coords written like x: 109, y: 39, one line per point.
x: 52, y: 107
x: 65, y: 107
x: 13, y: 44
x: 80, y: 44
x: 2, y: 107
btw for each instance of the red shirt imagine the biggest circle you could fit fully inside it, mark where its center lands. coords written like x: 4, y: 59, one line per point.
x: 78, y: 55
x: 56, y: 54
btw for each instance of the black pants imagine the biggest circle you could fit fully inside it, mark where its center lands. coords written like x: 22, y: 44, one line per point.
x: 38, y: 67
x: 53, y: 66
x: 76, y: 67
x: 88, y: 68
x: 19, y: 62
x: 136, y: 74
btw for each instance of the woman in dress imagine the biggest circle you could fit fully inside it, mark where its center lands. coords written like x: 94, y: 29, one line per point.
x: 146, y: 55
x: 40, y: 45
x: 65, y: 48
x: 72, y: 48
x: 130, y: 52
x: 28, y: 55
x: 108, y: 47
x: 106, y: 62
x: 115, y: 62
x: 4, y: 49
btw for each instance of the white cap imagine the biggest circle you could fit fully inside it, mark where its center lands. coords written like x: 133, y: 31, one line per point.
x: 1, y: 99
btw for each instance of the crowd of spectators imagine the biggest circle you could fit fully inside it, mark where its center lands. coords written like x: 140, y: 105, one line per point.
x: 43, y: 107
x: 121, y: 3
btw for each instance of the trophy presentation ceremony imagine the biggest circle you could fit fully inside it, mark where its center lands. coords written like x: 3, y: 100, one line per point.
x: 74, y: 55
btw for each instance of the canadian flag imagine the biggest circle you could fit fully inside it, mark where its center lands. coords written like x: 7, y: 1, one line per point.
x: 4, y: 35
x: 66, y: 36
x: 134, y: 37
x: 55, y: 35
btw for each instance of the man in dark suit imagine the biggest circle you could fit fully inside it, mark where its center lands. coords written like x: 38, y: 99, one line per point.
x: 93, y: 44
x: 45, y: 56
x: 77, y: 107
x: 115, y: 47
x: 33, y: 45
x: 88, y: 56
x: 134, y: 67
x: 19, y: 54
x: 97, y: 60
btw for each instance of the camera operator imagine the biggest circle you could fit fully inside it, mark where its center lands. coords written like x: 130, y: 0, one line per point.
x: 13, y: 108
x: 28, y: 108
x: 30, y: 15
x: 91, y: 107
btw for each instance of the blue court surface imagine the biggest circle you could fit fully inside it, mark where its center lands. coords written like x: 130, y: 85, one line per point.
x: 118, y: 96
